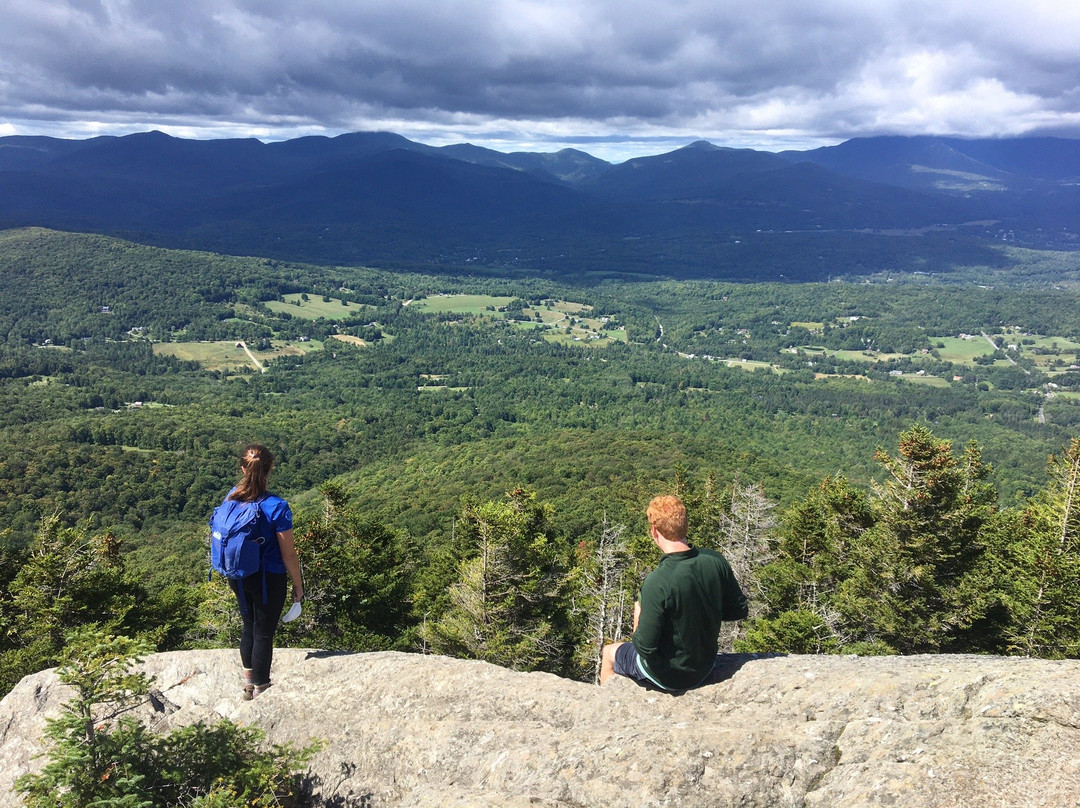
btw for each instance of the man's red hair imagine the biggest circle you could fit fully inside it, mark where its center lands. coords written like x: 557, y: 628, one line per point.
x: 668, y: 515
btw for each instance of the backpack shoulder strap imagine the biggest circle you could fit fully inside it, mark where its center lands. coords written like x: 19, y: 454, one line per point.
x: 266, y: 528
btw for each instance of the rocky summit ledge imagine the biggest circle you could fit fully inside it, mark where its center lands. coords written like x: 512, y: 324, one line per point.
x: 821, y: 732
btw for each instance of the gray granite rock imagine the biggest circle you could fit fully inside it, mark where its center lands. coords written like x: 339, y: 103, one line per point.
x: 820, y: 732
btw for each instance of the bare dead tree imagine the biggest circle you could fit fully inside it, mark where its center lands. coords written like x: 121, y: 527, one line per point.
x: 604, y: 592
x: 744, y: 540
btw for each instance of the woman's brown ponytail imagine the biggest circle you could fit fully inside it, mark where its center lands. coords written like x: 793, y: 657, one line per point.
x: 255, y: 463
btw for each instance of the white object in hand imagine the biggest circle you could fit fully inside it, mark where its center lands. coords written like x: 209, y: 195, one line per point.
x: 292, y: 614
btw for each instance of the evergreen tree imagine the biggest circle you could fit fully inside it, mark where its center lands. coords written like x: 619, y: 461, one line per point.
x: 508, y: 605
x: 356, y: 581
x: 1038, y: 566
x: 899, y: 572
x: 71, y: 578
x: 814, y: 557
x: 911, y: 584
x: 101, y: 756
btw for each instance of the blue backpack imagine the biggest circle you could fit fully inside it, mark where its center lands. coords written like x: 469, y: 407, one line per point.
x: 238, y: 534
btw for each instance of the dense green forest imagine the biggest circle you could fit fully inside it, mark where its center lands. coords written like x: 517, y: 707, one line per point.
x: 841, y: 442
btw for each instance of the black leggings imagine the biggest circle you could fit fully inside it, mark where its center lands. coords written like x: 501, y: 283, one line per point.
x: 260, y: 620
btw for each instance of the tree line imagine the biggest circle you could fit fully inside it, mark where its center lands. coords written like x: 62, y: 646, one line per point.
x: 924, y: 561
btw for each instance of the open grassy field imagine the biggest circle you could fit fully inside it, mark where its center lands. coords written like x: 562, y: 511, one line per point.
x: 559, y: 315
x: 568, y: 306
x: 315, y: 307
x: 928, y: 381
x: 962, y: 351
x: 850, y: 356
x: 561, y: 321
x: 350, y: 339
x: 547, y: 316
x: 582, y: 331
x: 226, y: 355
x: 462, y: 304
x: 1050, y: 354
x: 579, y: 336
x: 1054, y: 344
x: 220, y: 355
x: 864, y: 356
x: 957, y: 351
x: 750, y: 364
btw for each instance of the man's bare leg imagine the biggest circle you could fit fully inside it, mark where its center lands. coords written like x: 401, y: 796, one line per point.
x: 607, y: 661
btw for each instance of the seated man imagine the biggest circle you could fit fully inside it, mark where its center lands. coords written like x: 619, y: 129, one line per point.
x: 677, y: 618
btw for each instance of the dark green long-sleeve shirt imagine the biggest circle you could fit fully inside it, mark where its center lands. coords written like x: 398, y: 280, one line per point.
x: 683, y: 602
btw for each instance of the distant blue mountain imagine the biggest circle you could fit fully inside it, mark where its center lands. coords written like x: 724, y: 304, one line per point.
x: 698, y: 170
x: 377, y: 197
x: 952, y: 164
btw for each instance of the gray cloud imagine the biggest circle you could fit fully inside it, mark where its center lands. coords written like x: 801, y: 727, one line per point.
x: 770, y: 73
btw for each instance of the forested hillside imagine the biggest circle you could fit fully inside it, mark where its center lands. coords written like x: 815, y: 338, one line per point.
x: 893, y: 205
x: 415, y: 416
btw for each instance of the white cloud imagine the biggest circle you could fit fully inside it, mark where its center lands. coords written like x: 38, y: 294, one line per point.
x: 771, y: 73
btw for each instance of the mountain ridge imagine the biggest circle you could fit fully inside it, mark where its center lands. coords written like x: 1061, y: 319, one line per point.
x: 377, y: 196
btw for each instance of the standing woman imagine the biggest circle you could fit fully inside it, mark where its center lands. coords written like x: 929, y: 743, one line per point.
x: 279, y: 564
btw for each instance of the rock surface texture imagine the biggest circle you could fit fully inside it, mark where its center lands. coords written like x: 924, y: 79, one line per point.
x: 821, y: 732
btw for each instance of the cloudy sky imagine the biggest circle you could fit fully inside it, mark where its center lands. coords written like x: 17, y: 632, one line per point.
x: 617, y: 78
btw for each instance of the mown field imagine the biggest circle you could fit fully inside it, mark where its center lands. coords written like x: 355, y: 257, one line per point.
x: 229, y: 355
x: 558, y: 321
x: 940, y: 362
x: 314, y: 306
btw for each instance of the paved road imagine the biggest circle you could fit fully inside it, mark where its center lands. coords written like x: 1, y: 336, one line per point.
x: 1009, y: 358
